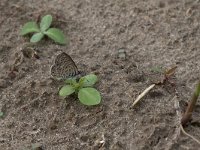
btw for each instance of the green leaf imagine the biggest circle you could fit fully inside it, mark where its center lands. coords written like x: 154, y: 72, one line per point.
x: 29, y: 27
x: 66, y: 90
x: 89, y: 96
x: 156, y: 69
x: 71, y: 81
x: 88, y: 80
x: 36, y: 37
x: 1, y: 114
x: 56, y: 35
x: 36, y: 146
x: 45, y: 22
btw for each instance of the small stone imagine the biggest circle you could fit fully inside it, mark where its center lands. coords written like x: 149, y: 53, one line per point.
x: 30, y: 53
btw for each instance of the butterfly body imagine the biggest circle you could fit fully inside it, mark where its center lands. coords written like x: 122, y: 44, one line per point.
x: 64, y: 67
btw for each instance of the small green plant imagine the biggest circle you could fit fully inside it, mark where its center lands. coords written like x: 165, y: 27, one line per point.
x: 86, y: 94
x: 53, y: 33
x: 156, y: 69
x: 191, y: 105
x: 1, y: 114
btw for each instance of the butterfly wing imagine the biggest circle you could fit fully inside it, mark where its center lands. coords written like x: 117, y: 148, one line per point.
x: 64, y: 67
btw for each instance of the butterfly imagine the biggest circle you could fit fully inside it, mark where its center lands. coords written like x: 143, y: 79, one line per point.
x: 64, y: 67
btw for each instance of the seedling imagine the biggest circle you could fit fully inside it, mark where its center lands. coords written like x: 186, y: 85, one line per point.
x: 83, y: 88
x: 44, y: 29
x: 37, y: 146
x: 190, y: 108
x: 156, y: 69
x: 166, y: 76
x: 1, y: 114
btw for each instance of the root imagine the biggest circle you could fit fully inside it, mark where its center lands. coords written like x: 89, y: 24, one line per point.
x: 178, y: 112
x: 187, y: 134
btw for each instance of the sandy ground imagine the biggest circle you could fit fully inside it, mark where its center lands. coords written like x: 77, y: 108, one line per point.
x: 154, y: 33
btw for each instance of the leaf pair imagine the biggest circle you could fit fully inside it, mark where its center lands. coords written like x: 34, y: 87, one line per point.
x: 86, y: 94
x: 44, y: 29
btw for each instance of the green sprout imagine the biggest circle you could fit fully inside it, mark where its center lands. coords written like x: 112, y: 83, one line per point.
x: 53, y: 33
x: 1, y: 114
x: 156, y: 69
x: 191, y: 105
x: 86, y: 94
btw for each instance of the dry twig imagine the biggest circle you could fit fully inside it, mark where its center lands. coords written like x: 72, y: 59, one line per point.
x: 143, y: 94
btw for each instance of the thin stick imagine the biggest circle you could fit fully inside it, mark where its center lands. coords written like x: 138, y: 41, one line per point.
x: 143, y: 94
x: 184, y: 132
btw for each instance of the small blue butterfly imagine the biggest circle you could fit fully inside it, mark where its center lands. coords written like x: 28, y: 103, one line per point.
x: 64, y: 67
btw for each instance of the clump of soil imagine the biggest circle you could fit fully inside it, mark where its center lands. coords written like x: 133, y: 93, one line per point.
x: 152, y: 33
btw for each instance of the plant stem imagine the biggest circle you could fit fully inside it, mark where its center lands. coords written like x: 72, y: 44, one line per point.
x: 190, y: 108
